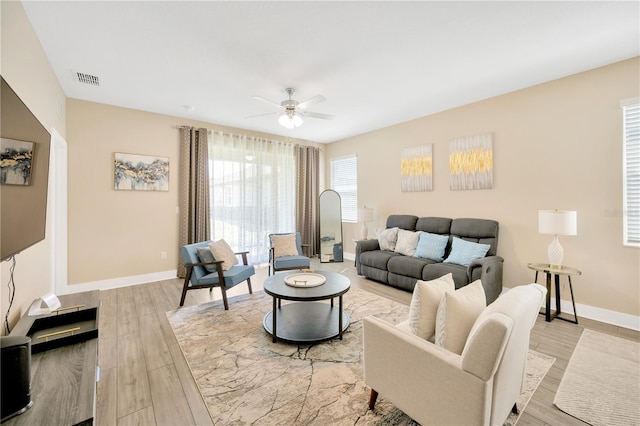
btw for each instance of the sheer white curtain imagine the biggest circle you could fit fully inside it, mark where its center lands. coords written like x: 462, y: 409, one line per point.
x: 253, y: 191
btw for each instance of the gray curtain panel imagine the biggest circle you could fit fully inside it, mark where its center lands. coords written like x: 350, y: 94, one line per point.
x: 193, y: 185
x: 308, y: 177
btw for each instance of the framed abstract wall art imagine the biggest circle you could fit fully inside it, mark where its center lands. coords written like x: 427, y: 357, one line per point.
x: 141, y: 172
x: 16, y: 159
x: 471, y: 162
x: 416, y: 169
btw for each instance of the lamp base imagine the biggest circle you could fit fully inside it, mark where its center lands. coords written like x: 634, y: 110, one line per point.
x: 364, y: 232
x: 555, y: 253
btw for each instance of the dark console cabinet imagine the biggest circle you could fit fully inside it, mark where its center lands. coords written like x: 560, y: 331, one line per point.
x: 63, y: 378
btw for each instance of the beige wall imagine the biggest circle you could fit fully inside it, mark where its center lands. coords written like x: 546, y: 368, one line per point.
x: 115, y: 234
x: 26, y: 69
x: 556, y: 145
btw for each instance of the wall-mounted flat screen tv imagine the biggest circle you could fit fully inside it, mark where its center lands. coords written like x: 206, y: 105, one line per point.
x: 24, y: 175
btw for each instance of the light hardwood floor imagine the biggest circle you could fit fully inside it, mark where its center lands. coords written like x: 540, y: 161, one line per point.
x: 145, y: 379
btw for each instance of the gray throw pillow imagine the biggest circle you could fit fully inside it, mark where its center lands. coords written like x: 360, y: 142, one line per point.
x: 205, y: 255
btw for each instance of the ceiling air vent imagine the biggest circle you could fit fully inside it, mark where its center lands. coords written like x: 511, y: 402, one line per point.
x: 88, y: 79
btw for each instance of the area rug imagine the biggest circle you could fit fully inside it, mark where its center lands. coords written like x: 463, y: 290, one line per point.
x: 601, y: 385
x: 245, y: 379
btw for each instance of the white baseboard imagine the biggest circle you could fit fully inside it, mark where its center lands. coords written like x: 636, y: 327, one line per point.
x: 603, y: 315
x: 606, y: 316
x: 119, y: 282
x: 584, y: 311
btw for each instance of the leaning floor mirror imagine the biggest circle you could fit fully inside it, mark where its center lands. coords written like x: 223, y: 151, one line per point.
x: 330, y: 226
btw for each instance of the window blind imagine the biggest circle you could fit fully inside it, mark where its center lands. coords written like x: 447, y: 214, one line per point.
x: 631, y: 166
x: 344, y: 180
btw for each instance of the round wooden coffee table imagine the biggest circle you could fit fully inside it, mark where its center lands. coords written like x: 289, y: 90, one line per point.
x: 308, y: 320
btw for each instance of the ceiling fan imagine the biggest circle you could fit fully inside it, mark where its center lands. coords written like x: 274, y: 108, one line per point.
x: 292, y: 111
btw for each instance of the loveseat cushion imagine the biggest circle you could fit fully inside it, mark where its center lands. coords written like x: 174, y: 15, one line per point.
x: 408, y: 266
x: 380, y: 275
x: 402, y: 221
x: 377, y: 259
x: 436, y: 270
x: 483, y: 231
x: 434, y: 225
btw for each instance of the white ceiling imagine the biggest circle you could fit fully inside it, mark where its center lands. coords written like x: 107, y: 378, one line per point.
x: 377, y: 63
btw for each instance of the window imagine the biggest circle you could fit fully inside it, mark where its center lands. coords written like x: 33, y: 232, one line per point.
x: 631, y: 172
x: 344, y: 180
x: 252, y: 184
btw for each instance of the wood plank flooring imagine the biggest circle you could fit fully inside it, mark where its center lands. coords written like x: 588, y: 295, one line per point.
x: 145, y: 379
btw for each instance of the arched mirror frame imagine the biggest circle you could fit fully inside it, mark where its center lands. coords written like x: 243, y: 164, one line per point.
x: 331, y: 244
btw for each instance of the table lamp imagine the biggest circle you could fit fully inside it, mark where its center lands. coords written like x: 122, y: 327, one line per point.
x: 557, y: 222
x: 364, y: 215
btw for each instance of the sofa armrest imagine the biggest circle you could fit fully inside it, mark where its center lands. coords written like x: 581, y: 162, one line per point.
x: 489, y: 270
x: 361, y: 247
x: 424, y: 380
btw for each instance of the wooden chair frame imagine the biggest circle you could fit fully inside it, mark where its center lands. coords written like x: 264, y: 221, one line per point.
x: 186, y: 287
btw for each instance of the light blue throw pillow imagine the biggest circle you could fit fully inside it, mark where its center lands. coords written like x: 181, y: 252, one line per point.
x: 464, y: 252
x: 431, y: 246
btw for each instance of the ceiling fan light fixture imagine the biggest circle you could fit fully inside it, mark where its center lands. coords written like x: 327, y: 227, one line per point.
x: 290, y: 121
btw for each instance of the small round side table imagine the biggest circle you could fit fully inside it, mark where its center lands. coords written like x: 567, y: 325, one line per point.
x: 556, y: 273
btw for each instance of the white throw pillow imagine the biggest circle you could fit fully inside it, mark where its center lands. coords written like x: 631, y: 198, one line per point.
x: 284, y: 245
x: 387, y: 238
x: 424, y: 304
x: 456, y: 315
x: 406, y: 242
x: 222, y: 251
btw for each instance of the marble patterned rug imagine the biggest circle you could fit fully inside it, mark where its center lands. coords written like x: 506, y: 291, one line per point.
x: 245, y: 379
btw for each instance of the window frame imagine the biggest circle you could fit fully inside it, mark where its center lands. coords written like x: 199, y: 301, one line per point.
x: 631, y: 171
x: 349, y: 200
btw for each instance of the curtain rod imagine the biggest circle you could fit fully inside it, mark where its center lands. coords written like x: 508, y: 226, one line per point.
x: 182, y: 126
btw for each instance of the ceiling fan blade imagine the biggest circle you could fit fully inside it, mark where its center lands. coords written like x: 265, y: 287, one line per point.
x: 260, y: 98
x: 261, y: 115
x: 315, y: 100
x: 316, y: 115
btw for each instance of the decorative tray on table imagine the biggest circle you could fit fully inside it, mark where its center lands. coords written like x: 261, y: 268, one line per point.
x: 305, y: 279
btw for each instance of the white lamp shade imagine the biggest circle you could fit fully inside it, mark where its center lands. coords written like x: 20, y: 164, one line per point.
x: 365, y: 215
x: 557, y: 222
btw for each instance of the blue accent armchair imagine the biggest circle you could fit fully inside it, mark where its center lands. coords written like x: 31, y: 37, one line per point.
x: 198, y: 277
x: 284, y: 263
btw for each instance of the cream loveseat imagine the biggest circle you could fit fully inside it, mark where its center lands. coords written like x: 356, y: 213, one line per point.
x: 437, y: 387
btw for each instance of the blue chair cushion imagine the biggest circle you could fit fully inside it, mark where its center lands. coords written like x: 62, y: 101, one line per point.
x: 200, y: 276
x: 233, y: 276
x: 286, y: 262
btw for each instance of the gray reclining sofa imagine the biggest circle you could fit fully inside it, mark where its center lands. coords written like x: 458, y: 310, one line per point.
x: 401, y: 271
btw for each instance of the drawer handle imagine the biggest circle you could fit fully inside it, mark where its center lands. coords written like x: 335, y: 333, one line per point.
x: 56, y: 333
x: 76, y: 307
